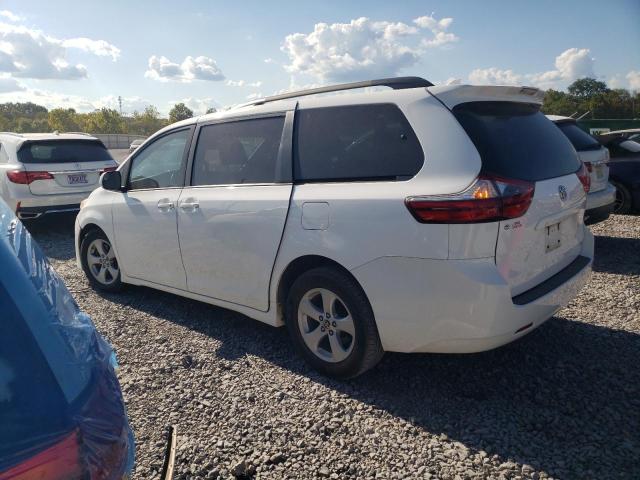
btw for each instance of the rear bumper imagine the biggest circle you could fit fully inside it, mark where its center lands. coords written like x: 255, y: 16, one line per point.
x: 600, y: 205
x: 602, y: 197
x: 28, y: 213
x: 461, y: 306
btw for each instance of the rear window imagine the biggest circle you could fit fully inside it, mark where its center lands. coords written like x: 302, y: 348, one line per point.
x: 355, y: 143
x: 580, y: 139
x: 63, y: 151
x: 516, y: 141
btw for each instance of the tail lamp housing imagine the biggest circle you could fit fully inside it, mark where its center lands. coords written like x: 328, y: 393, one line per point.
x: 490, y: 198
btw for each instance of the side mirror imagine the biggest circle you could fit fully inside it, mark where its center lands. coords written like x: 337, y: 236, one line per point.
x: 111, y: 181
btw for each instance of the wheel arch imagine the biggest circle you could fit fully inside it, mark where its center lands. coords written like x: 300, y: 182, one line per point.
x: 303, y: 264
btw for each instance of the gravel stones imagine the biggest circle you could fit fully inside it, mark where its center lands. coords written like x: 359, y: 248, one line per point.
x: 562, y: 402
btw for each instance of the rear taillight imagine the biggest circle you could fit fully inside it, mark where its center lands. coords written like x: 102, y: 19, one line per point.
x: 61, y: 461
x: 108, y: 169
x: 488, y: 199
x: 25, y: 178
x: 589, y: 166
x: 583, y: 175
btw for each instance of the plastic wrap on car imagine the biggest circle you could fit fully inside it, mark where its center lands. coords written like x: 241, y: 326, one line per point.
x: 91, y: 412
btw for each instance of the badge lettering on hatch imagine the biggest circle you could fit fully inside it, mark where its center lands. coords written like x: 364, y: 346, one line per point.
x: 562, y: 190
x: 513, y: 226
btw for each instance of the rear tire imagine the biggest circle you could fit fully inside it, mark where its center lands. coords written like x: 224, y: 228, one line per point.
x: 99, y: 262
x: 623, y: 203
x: 342, y: 344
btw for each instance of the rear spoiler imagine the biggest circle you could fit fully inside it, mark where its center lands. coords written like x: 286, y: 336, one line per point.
x: 452, y: 95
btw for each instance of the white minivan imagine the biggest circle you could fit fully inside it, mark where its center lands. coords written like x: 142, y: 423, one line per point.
x: 412, y: 219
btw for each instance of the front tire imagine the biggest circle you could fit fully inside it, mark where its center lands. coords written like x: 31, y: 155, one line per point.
x: 99, y: 262
x: 623, y: 203
x: 332, y: 324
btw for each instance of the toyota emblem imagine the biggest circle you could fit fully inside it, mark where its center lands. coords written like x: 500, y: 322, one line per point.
x: 563, y: 192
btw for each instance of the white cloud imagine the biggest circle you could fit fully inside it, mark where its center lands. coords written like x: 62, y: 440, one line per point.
x: 494, y: 76
x: 570, y: 65
x: 29, y: 53
x: 12, y: 17
x: 633, y: 77
x: 363, y: 48
x: 254, y: 96
x: 8, y: 84
x: 269, y: 60
x: 192, y: 68
x: 242, y: 83
x: 100, y: 48
x: 452, y: 81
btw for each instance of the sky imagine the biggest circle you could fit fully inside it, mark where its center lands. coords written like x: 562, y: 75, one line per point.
x: 86, y: 54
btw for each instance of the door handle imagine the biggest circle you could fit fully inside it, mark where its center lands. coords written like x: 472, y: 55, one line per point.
x: 190, y: 205
x: 165, y: 205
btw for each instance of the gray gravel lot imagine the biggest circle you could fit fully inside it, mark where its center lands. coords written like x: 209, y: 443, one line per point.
x: 563, y: 402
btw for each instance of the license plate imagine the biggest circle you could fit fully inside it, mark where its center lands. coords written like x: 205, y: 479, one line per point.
x: 553, y: 236
x: 599, y: 172
x: 77, y: 178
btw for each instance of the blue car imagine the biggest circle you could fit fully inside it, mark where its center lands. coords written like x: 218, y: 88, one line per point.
x: 62, y: 415
x: 624, y: 168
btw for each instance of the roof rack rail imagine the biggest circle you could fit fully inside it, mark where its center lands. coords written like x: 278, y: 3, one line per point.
x: 397, y: 83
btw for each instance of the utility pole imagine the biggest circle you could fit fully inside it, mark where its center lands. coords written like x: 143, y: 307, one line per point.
x: 120, y: 103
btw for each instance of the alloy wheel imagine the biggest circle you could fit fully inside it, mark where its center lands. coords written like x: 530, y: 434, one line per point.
x: 102, y: 261
x: 326, y: 325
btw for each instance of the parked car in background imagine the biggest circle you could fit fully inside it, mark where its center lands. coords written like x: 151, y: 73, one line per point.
x: 417, y: 219
x: 62, y: 415
x: 42, y: 173
x: 602, y: 195
x: 135, y: 144
x: 624, y: 167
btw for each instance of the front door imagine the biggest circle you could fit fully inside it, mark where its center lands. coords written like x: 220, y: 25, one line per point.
x: 231, y: 217
x: 144, y: 216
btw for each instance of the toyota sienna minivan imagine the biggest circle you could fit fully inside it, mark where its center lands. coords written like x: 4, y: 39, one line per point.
x: 412, y: 219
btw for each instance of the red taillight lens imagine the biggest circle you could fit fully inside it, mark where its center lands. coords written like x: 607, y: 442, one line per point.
x: 25, y: 178
x: 108, y: 169
x: 583, y: 175
x: 488, y: 199
x: 589, y: 166
x: 59, y: 462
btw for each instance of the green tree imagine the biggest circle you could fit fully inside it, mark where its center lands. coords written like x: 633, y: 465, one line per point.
x: 560, y: 103
x: 211, y: 110
x: 587, y: 88
x: 63, y: 120
x: 180, y: 112
x: 105, y: 120
x: 147, y: 122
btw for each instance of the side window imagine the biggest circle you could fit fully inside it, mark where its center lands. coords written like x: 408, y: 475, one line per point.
x: 245, y: 151
x: 160, y: 165
x: 359, y: 142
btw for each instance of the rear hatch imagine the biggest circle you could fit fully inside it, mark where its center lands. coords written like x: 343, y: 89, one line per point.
x: 594, y: 155
x: 65, y: 166
x: 516, y: 141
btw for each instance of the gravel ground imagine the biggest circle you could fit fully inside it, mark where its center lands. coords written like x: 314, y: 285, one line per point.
x: 563, y: 402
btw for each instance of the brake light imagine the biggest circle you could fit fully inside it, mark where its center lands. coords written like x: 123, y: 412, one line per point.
x: 25, y: 178
x: 589, y: 166
x: 489, y: 199
x: 108, y: 169
x: 59, y: 462
x: 583, y: 175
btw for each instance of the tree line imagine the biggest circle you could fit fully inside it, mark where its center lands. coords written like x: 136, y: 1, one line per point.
x: 584, y: 96
x: 30, y: 117
x: 593, y: 98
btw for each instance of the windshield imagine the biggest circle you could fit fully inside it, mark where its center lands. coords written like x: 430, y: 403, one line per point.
x: 64, y: 151
x: 580, y: 139
x: 516, y: 141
